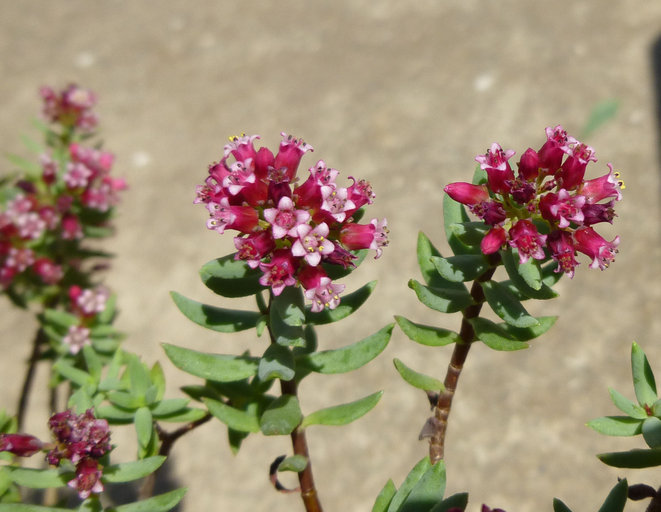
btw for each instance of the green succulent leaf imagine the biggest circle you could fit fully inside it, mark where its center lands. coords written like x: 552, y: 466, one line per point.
x: 627, y: 406
x: 385, y: 497
x: 40, y: 478
x: 527, y: 277
x: 286, y: 318
x: 454, y: 214
x: 426, y: 334
x: 617, y: 426
x: 114, y: 415
x: 79, y: 377
x: 493, y: 336
x: 231, y: 278
x: 187, y: 415
x: 169, y: 407
x: 445, y: 300
x: 161, y: 503
x: 24, y: 507
x: 347, y: 358
x: 214, y: 367
x: 417, y: 379
x: 60, y: 319
x: 144, y: 426
x: 281, y: 417
x: 643, y: 378
x: 343, y: 414
x: 242, y: 421
x: 461, y: 268
x: 617, y: 498
x: 409, y: 483
x: 134, y: 470
x: 470, y: 234
x: 276, y: 363
x: 350, y: 303
x: 636, y: 459
x: 528, y: 333
x: 295, y: 463
x: 651, y: 430
x: 215, y: 318
x: 506, y: 306
x: 126, y: 400
x: 428, y: 490
x: 459, y: 500
x: 559, y: 506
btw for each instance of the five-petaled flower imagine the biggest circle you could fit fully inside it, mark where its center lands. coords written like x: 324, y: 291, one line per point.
x: 288, y: 228
x: 548, y: 209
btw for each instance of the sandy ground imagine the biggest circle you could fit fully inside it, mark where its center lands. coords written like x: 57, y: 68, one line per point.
x: 404, y: 94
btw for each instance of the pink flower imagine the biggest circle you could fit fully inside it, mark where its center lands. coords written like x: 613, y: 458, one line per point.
x: 312, y: 244
x: 495, y: 163
x: 590, y: 243
x: 562, y: 208
x: 319, y: 289
x: 285, y: 219
x: 525, y: 237
x: 603, y: 187
x: 467, y: 193
x: 71, y: 107
x: 365, y: 236
x: 48, y: 271
x: 22, y: 445
x: 87, y: 479
x: 554, y: 149
x: 336, y: 202
x: 223, y: 216
x: 493, y: 240
x: 76, y: 338
x: 289, y: 155
x: 279, y: 272
x: 562, y: 249
x: 253, y: 247
x: 71, y: 227
x: 529, y: 165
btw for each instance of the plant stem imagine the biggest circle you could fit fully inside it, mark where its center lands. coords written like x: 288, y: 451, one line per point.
x: 308, y: 491
x: 457, y: 361
x: 167, y: 441
x: 22, y: 406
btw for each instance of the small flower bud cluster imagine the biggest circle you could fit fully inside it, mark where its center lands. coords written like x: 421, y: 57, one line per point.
x: 47, y: 213
x: 288, y: 228
x: 80, y: 438
x: 86, y: 304
x: 547, y: 209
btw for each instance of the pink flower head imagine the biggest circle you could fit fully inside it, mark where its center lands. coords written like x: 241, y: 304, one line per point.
x: 30, y: 225
x: 562, y: 249
x: 285, y: 219
x: 608, y: 185
x: 562, y: 208
x: 91, y: 302
x: 493, y: 240
x: 253, y: 247
x: 360, y: 193
x: 495, y: 163
x: 77, y: 176
x: 554, y: 149
x: 312, y: 243
x: 223, y: 216
x: 87, y: 479
x: 530, y: 243
x: 48, y: 271
x: 76, y: 338
x: 22, y: 445
x: 319, y: 289
x: 279, y: 272
x: 290, y: 153
x: 72, y: 107
x: 241, y: 148
x: 590, y: 243
x: 335, y: 201
x: 572, y: 171
x: 19, y: 258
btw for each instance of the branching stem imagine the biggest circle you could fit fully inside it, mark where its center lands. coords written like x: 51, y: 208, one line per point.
x: 457, y: 361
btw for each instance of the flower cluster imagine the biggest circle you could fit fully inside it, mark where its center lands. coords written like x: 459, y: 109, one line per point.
x: 49, y: 212
x: 548, y: 208
x: 81, y: 439
x: 86, y: 304
x: 288, y: 228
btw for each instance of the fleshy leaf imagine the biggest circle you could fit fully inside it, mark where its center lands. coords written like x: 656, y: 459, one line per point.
x: 350, y: 303
x: 295, y: 463
x: 470, y: 234
x: 459, y: 500
x: 417, y: 379
x: 643, y: 378
x: 627, y: 406
x: 129, y: 471
x: 445, y: 300
x: 286, y: 318
x: 169, y: 407
x: 527, y: 278
x: 493, y: 336
x: 428, y: 491
x: 617, y: 426
x: 215, y: 367
x: 505, y: 305
x: 529, y: 333
x: 144, y: 426
x: 281, y: 417
x: 651, y: 430
x: 276, y: 363
x: 77, y: 376
x: 454, y: 214
x: 243, y: 421
x: 559, y: 506
x: 40, y: 478
x: 617, y: 498
x: 60, y: 319
x: 161, y: 503
x: 231, y: 278
x: 409, y: 483
x: 461, y: 268
x: 426, y: 334
x: 636, y: 459
x: 343, y: 414
x: 215, y: 318
x: 347, y: 358
x: 385, y: 497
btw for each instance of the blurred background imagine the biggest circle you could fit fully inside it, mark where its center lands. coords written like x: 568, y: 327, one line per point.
x: 403, y: 94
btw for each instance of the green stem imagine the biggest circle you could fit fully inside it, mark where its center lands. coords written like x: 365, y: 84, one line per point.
x: 459, y: 354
